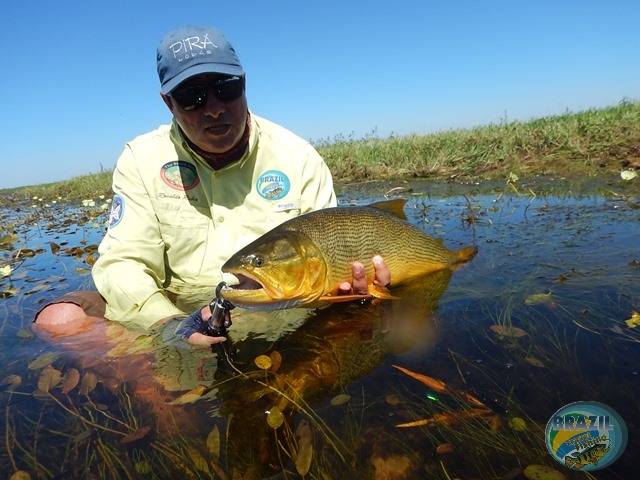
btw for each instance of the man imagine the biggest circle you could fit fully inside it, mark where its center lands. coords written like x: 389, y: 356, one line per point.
x: 190, y: 194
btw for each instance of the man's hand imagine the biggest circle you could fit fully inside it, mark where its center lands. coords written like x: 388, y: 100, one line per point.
x: 193, y: 328
x: 359, y: 283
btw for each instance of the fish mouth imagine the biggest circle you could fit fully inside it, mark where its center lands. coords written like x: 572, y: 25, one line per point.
x: 251, y: 294
x: 245, y: 283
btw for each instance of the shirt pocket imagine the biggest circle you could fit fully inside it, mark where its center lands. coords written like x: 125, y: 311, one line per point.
x: 185, y: 233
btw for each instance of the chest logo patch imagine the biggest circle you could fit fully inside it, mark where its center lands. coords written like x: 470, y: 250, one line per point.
x: 273, y: 185
x: 179, y: 175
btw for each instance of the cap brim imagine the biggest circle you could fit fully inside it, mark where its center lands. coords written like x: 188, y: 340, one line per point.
x: 219, y: 68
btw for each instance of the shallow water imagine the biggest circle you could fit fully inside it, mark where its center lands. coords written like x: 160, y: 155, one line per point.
x: 560, y: 263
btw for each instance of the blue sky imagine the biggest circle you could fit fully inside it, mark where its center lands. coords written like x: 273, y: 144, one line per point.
x: 79, y: 77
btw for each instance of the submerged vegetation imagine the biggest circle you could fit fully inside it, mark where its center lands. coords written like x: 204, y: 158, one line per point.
x: 592, y: 142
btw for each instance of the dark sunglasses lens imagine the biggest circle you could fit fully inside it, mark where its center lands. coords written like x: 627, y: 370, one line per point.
x: 228, y: 90
x: 195, y: 97
x: 190, y: 98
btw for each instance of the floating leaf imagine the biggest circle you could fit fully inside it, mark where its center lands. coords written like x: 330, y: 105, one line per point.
x: 143, y: 467
x: 88, y: 384
x: 275, y: 417
x: 445, y: 449
x: 634, y: 321
x: 517, y: 424
x: 49, y: 378
x: 90, y: 260
x: 340, y: 399
x: 39, y: 287
x: 531, y: 360
x: 6, y: 241
x: 5, y: 271
x: 628, y: 174
x: 392, y: 399
x: 213, y: 443
x: 24, y: 333
x: 199, y: 461
x: 55, y: 248
x: 305, y: 448
x: 508, y: 331
x: 82, y: 271
x: 43, y: 360
x: 70, y: 380
x: 263, y: 362
x: 20, y: 475
x: 11, y: 380
x: 190, y: 397
x: 139, y: 434
x: 9, y: 292
x: 538, y: 299
x: 82, y: 436
x: 25, y: 252
x: 542, y: 472
x: 276, y: 361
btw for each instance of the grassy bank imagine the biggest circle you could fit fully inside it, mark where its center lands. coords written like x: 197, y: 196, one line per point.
x: 589, y: 143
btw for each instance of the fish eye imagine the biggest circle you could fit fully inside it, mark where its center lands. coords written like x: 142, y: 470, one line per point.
x: 257, y: 261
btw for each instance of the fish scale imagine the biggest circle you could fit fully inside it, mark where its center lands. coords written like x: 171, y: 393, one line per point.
x: 303, y: 261
x: 347, y: 234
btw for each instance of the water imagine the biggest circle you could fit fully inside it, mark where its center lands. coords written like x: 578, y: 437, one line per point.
x: 559, y: 263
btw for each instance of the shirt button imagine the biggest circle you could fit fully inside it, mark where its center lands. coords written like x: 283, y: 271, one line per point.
x: 221, y: 219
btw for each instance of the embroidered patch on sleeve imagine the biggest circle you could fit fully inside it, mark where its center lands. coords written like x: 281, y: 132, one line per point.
x: 117, y: 210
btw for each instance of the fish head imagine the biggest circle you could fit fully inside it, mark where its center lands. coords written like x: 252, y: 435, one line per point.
x: 281, y: 269
x: 599, y: 450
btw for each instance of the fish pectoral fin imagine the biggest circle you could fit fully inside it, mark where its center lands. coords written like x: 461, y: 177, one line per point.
x: 343, y: 298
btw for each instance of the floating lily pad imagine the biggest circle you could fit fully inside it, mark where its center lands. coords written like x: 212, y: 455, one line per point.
x: 263, y: 362
x: 275, y: 418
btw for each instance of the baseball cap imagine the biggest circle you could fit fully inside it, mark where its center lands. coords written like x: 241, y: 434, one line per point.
x: 192, y: 50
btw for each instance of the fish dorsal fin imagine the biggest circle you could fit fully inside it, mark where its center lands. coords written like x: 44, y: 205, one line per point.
x: 396, y: 207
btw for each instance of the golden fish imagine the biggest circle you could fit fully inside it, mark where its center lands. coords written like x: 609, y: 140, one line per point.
x: 591, y: 455
x: 302, y: 262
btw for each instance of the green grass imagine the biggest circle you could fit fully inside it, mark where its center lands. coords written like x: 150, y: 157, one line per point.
x: 585, y: 143
x: 591, y: 142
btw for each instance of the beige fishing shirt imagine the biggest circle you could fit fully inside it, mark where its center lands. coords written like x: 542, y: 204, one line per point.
x: 174, y: 220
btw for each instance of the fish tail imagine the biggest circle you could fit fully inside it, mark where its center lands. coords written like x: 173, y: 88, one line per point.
x: 465, y: 255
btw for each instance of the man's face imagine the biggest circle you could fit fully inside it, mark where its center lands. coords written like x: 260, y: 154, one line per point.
x: 212, y: 124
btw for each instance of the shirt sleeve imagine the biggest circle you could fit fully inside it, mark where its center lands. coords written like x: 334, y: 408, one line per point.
x: 317, y: 189
x: 132, y: 252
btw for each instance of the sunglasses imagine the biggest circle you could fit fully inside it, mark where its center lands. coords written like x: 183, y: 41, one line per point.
x: 194, y: 97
